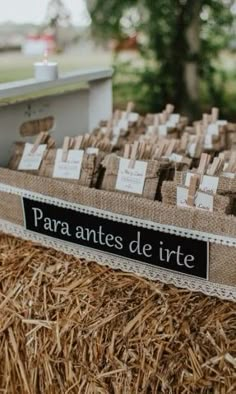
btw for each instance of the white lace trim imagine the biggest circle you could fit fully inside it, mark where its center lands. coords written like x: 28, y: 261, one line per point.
x: 115, y: 262
x: 184, y: 232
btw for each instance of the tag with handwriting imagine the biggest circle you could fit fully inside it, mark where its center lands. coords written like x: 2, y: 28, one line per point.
x: 175, y: 157
x: 123, y: 124
x: 92, y: 151
x: 204, y: 201
x: 213, y: 129
x: 209, y: 184
x: 132, y: 116
x: 174, y: 119
x: 222, y: 122
x: 228, y: 175
x: 131, y: 179
x: 182, y: 196
x: 208, y: 141
x: 71, y: 168
x: 162, y: 129
x: 31, y: 161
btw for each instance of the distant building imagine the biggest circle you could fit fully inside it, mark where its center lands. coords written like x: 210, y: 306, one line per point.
x: 37, y: 44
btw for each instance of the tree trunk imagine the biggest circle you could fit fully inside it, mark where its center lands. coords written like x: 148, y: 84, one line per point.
x: 191, y: 68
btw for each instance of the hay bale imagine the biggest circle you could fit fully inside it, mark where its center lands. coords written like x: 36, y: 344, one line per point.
x: 72, y: 326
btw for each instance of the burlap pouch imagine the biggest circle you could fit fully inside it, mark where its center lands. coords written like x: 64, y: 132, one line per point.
x: 156, y: 172
x: 222, y: 204
x: 86, y: 174
x: 17, y: 152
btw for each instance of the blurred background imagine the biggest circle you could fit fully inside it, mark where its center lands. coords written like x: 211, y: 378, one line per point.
x: 178, y: 51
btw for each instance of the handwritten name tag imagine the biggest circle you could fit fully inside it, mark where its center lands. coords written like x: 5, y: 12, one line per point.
x: 213, y: 129
x: 174, y: 119
x: 175, y: 157
x: 222, y: 122
x: 31, y: 161
x: 71, y: 168
x: 204, y: 201
x: 192, y: 149
x: 162, y: 129
x: 92, y: 151
x: 182, y: 197
x: 228, y: 175
x: 208, y: 141
x: 131, y: 179
x: 209, y: 184
x: 132, y: 116
x: 123, y: 124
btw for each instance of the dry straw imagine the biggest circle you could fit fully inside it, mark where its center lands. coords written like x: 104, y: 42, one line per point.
x: 71, y: 326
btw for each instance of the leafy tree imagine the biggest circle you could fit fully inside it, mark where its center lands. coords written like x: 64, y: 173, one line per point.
x: 179, y: 41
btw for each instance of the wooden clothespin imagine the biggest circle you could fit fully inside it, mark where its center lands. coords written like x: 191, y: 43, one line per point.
x: 156, y: 122
x: 198, y: 129
x: 78, y: 142
x: 127, y: 151
x: 41, y: 138
x: 214, y: 114
x: 160, y: 150
x: 214, y: 166
x: 109, y: 128
x: 163, y: 117
x: 65, y: 148
x: 204, y: 161
x: 169, y: 108
x: 142, y: 150
x: 170, y: 147
x: 194, y: 180
x: 184, y: 142
x: 232, y: 162
x: 50, y: 142
x: 116, y: 117
x: 205, y: 121
x: 130, y: 107
x: 133, y: 156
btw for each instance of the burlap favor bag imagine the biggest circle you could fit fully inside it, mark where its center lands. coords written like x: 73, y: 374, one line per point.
x: 222, y: 204
x: 86, y: 168
x: 134, y: 174
x: 23, y: 154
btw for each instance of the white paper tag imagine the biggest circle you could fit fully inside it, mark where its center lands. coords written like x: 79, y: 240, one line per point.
x: 150, y: 130
x: 208, y: 141
x: 132, y: 117
x: 174, y: 119
x: 131, y: 179
x: 104, y: 130
x: 192, y: 149
x: 92, y: 151
x: 204, y: 201
x: 222, y: 122
x: 182, y: 196
x: 209, y: 184
x: 188, y: 178
x: 71, y: 168
x: 31, y: 161
x: 213, y: 129
x: 123, y: 124
x: 162, y: 129
x: 228, y: 175
x: 175, y: 157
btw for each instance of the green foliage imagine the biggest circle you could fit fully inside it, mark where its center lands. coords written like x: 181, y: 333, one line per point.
x: 172, y: 34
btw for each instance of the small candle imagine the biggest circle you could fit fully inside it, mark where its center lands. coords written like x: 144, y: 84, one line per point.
x: 45, y: 70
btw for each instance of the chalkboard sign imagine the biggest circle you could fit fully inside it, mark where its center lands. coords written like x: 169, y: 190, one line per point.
x: 159, y: 249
